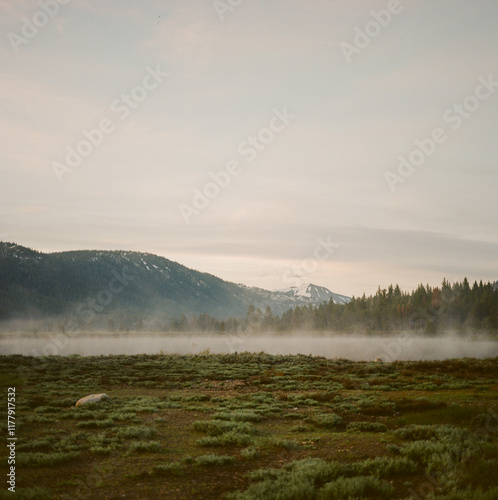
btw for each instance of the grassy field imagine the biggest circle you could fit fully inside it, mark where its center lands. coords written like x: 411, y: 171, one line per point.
x: 252, y: 426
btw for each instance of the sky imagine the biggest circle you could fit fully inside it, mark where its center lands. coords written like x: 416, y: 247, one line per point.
x: 268, y: 142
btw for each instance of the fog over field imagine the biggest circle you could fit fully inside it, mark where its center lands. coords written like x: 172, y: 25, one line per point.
x: 356, y: 348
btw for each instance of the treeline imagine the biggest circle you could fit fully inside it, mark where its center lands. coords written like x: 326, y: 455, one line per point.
x: 457, y: 307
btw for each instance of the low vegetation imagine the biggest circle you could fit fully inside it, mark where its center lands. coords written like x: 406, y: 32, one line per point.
x: 254, y: 426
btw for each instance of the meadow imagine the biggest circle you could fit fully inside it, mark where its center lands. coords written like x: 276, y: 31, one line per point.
x: 252, y: 427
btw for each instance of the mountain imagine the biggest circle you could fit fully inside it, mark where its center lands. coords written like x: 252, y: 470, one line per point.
x: 89, y: 283
x: 315, y: 293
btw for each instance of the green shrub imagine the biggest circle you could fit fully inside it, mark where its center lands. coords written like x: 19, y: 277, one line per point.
x: 367, y: 427
x: 103, y: 450
x: 137, y: 432
x: 79, y: 413
x: 198, y: 398
x: 210, y: 460
x: 168, y: 469
x: 304, y: 479
x: 226, y: 439
x: 468, y: 494
x: 263, y: 474
x: 383, y: 467
x: 423, y: 450
x: 44, y: 459
x: 103, y: 444
x: 452, y: 450
x: 145, y: 447
x: 96, y: 424
x: 73, y: 442
x: 46, y: 409
x: 296, y: 481
x: 35, y: 493
x: 224, y: 433
x: 170, y: 405
x: 327, y: 420
x: 239, y: 416
x: 300, y: 428
x: 356, y: 487
x: 415, y: 432
x: 250, y: 453
x: 144, y: 404
x: 293, y: 489
x: 372, y: 405
x: 218, y: 427
x: 293, y: 416
x: 44, y: 443
x: 123, y: 415
x: 39, y: 419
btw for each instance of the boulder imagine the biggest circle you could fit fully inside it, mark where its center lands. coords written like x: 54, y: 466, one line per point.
x: 93, y: 398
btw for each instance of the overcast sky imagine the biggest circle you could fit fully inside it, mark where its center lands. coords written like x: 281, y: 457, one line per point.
x: 306, y: 105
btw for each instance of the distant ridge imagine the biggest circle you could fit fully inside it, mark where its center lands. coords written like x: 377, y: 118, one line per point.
x: 92, y: 282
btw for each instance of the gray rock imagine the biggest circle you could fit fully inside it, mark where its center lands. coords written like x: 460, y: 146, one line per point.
x: 93, y: 398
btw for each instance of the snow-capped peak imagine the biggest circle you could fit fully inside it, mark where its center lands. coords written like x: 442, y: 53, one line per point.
x: 315, y: 293
x: 303, y: 290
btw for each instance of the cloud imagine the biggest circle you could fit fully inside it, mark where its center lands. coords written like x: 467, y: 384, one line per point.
x: 323, y: 176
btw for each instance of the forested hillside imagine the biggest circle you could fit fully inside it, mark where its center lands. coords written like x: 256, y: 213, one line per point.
x: 121, y: 289
x: 456, y: 307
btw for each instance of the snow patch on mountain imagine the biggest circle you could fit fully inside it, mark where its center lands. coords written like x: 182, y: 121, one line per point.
x: 315, y: 293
